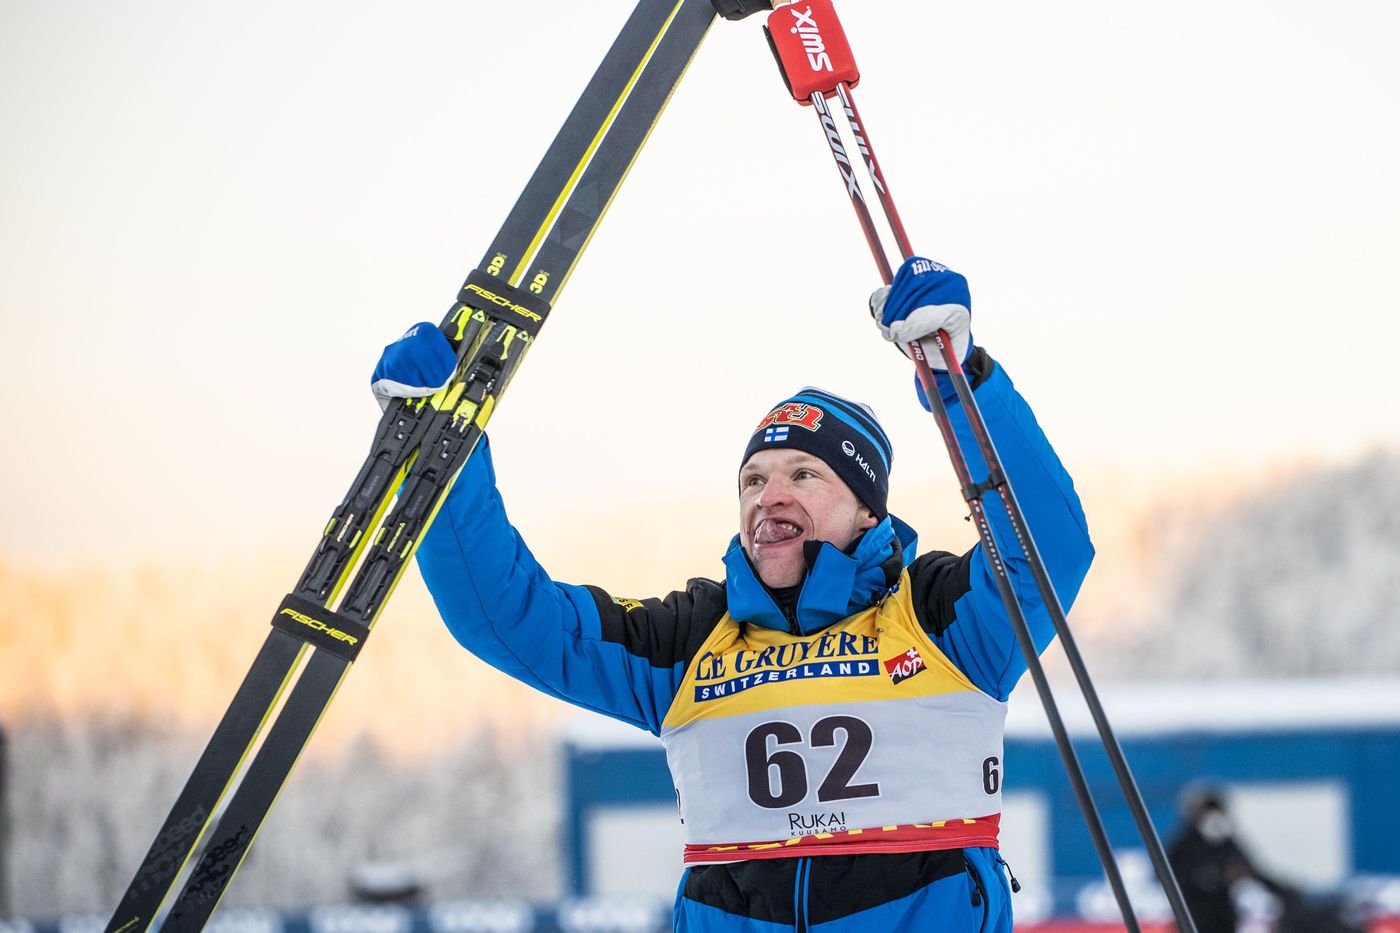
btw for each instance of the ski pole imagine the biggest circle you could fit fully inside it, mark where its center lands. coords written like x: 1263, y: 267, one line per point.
x: 821, y: 47
x: 1132, y: 795
x: 872, y: 165
x: 972, y: 493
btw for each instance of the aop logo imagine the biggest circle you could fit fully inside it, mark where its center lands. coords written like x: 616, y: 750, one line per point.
x: 798, y: 413
x: 901, y: 667
x: 812, y: 42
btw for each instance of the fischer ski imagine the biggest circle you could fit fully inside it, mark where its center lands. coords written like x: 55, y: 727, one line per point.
x: 421, y: 445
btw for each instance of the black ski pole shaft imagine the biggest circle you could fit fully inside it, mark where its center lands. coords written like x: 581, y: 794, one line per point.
x: 1114, y: 750
x: 973, y: 494
x: 814, y: 88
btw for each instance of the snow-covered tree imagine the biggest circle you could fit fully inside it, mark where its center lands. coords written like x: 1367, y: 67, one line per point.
x: 1300, y: 578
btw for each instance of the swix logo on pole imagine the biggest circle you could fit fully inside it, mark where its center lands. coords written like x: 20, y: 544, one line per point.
x: 838, y: 150
x: 811, y: 48
x: 861, y: 145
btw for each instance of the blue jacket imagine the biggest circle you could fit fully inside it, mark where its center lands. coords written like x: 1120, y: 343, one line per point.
x: 627, y: 658
x: 576, y: 643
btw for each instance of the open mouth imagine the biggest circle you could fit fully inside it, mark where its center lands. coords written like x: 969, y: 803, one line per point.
x: 776, y: 531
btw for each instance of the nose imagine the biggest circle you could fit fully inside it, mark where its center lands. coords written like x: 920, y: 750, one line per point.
x: 776, y: 491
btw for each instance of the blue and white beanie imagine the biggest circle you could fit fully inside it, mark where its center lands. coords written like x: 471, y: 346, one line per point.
x: 843, y: 434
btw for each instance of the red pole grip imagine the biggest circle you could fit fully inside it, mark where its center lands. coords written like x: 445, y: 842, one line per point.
x: 811, y: 49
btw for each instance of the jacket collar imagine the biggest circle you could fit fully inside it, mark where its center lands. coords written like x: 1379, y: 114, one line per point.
x: 836, y: 585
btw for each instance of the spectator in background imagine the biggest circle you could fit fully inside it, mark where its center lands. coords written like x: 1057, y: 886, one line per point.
x: 1209, y: 861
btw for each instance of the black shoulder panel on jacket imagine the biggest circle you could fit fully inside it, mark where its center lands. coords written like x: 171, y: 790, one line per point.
x: 979, y: 367
x: 664, y: 631
x: 939, y: 579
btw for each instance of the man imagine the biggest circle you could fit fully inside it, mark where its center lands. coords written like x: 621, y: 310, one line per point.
x: 832, y: 712
x: 1209, y: 861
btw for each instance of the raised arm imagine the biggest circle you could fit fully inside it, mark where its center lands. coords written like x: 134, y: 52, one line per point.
x: 623, y: 658
x: 962, y: 606
x: 957, y: 596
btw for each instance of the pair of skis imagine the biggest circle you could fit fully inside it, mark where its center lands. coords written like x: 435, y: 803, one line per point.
x: 815, y: 60
x: 419, y: 448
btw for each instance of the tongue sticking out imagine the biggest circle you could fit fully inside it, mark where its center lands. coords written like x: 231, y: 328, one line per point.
x: 775, y: 531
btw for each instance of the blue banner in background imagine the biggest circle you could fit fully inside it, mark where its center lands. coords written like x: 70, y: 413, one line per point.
x: 586, y: 915
x: 596, y: 915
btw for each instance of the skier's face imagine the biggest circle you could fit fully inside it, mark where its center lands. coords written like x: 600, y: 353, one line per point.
x: 787, y: 497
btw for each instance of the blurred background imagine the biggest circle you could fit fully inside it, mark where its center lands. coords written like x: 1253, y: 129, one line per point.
x: 1179, y: 225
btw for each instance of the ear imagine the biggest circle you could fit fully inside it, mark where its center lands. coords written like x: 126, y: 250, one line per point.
x: 867, y: 519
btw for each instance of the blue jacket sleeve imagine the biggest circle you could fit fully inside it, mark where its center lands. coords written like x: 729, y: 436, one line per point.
x: 623, y: 659
x: 970, y: 623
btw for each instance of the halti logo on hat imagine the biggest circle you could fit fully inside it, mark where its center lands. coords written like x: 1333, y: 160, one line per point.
x: 849, y: 450
x: 798, y: 413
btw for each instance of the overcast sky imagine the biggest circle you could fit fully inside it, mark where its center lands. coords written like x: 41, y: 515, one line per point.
x: 1180, y: 224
